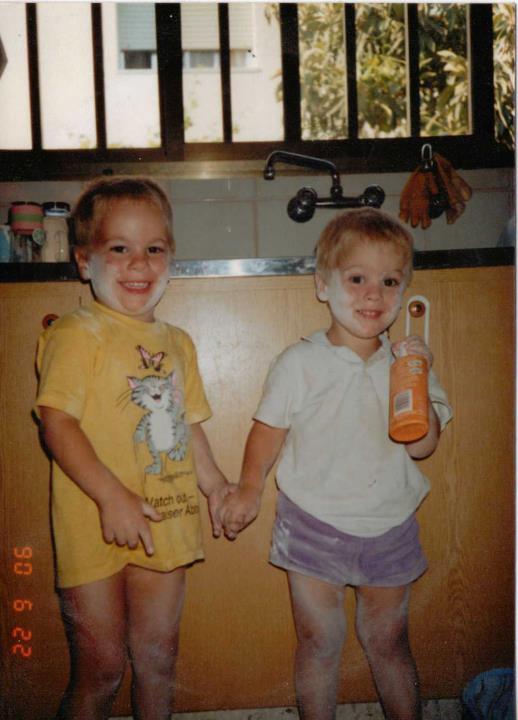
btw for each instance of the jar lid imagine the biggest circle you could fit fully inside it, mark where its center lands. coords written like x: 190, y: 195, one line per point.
x: 25, y: 217
x: 56, y: 208
x: 25, y: 202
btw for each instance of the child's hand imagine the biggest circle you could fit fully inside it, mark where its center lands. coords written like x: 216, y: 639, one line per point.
x: 216, y: 501
x: 124, y: 519
x: 123, y: 514
x: 413, y: 345
x: 239, y: 510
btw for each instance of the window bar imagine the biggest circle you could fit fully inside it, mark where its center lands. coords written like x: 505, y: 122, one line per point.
x: 412, y: 52
x: 224, y: 49
x: 98, y: 60
x: 350, y: 64
x: 34, y: 84
x: 290, y: 71
x: 482, y: 103
x: 170, y: 76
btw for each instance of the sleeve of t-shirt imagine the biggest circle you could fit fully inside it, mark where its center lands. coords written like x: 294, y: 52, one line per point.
x: 197, y: 408
x: 281, y: 392
x: 63, y: 364
x: 439, y: 400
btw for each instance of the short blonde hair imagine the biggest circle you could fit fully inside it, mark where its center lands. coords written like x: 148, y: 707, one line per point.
x: 360, y: 225
x: 95, y: 200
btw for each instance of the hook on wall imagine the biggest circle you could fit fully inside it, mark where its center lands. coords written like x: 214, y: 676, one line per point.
x: 427, y: 156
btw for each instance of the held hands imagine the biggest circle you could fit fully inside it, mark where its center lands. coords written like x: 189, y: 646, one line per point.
x: 239, y: 509
x: 124, y: 519
x: 216, y: 500
x: 241, y: 504
x: 413, y: 345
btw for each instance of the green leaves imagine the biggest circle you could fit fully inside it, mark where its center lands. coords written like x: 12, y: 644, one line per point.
x: 322, y: 71
x: 504, y: 29
x: 381, y: 70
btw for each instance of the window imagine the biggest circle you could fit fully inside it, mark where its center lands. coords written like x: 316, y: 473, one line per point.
x: 381, y: 71
x: 138, y: 59
x: 322, y: 71
x: 200, y: 59
x: 443, y: 70
x: 202, y: 73
x: 136, y: 35
x: 67, y: 114
x: 209, y: 59
x: 363, y: 84
x: 15, y: 115
x: 504, y: 44
x: 200, y: 35
x: 129, y: 76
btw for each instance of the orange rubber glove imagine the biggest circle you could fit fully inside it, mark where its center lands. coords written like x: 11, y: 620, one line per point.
x: 457, y: 190
x: 414, y: 203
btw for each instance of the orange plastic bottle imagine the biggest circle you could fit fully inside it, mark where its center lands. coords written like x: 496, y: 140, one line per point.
x: 408, y: 407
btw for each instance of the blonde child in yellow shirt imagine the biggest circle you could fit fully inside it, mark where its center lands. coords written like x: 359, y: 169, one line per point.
x: 121, y: 404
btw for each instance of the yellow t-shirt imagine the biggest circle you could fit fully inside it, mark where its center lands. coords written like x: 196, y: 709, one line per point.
x: 135, y: 389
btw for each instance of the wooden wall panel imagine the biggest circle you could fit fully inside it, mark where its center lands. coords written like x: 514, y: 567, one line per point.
x: 30, y: 684
x: 237, y: 639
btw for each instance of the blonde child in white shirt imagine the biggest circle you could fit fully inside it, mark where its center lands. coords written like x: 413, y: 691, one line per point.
x: 348, y: 493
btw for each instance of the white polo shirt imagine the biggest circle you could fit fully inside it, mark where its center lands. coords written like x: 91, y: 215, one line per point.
x: 338, y: 462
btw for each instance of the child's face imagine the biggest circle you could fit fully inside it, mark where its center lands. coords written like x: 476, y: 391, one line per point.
x: 364, y: 294
x: 128, y: 262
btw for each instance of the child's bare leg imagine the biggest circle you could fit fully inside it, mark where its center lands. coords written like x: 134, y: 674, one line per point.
x: 155, y: 602
x: 319, y: 617
x: 382, y: 629
x: 94, y: 617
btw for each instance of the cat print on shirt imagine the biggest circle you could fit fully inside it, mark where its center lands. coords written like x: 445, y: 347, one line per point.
x: 162, y: 427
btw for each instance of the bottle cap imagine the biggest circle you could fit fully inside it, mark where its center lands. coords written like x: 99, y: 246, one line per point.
x: 57, y: 208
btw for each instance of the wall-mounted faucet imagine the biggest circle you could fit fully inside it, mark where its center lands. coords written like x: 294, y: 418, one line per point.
x: 301, y: 208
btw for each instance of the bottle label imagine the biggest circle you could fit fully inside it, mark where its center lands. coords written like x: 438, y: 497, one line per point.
x: 408, y: 419
x: 403, y: 402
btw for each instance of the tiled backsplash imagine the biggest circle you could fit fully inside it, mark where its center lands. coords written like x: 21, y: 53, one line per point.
x: 246, y: 217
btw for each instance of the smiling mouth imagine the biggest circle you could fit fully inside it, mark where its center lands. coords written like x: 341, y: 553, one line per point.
x: 135, y: 285
x: 370, y: 314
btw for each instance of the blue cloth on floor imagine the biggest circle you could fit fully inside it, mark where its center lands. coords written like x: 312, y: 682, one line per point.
x: 491, y: 696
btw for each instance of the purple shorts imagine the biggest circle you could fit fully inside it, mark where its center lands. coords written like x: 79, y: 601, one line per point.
x: 302, y: 543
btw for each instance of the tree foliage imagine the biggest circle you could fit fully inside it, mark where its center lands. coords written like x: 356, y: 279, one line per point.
x: 322, y: 71
x: 381, y: 70
x: 443, y: 69
x: 504, y: 34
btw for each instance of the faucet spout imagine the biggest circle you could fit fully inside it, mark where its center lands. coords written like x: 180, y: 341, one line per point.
x: 306, y: 161
x: 301, y: 208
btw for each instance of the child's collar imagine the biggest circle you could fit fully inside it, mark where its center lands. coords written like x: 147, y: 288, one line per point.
x: 121, y: 317
x: 320, y: 338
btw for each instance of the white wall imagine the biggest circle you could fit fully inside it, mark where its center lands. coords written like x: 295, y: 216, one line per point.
x: 246, y: 217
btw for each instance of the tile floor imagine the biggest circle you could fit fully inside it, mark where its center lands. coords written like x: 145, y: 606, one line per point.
x: 432, y: 710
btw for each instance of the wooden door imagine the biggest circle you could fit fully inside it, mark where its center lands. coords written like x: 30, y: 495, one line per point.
x: 34, y: 664
x: 237, y: 639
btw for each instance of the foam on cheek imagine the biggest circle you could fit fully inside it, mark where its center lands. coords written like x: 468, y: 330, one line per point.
x: 398, y: 301
x: 336, y: 292
x: 341, y: 301
x: 97, y: 273
x: 338, y: 297
x: 159, y: 290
